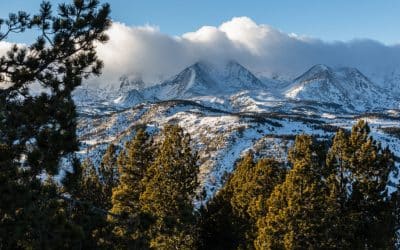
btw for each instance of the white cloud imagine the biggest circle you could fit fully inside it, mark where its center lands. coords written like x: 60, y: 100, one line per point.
x: 4, y: 47
x: 146, y: 51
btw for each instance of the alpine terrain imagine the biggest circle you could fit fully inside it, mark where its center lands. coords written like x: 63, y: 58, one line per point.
x: 228, y: 111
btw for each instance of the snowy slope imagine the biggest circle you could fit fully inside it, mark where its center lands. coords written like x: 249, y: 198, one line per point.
x: 228, y: 111
x: 232, y: 87
x: 205, y: 79
x: 345, y: 86
x: 222, y: 137
x: 238, y: 89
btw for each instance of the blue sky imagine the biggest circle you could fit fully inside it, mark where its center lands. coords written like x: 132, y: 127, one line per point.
x: 329, y: 20
x: 256, y: 33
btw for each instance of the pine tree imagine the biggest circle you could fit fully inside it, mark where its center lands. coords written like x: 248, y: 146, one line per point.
x: 250, y: 187
x: 370, y: 166
x: 218, y: 225
x: 169, y: 189
x: 395, y: 216
x: 339, y: 181
x: 129, y: 222
x: 295, y: 209
x: 87, y: 205
x: 359, y: 210
x: 243, y: 197
x: 37, y: 130
x: 108, y: 172
x: 228, y: 221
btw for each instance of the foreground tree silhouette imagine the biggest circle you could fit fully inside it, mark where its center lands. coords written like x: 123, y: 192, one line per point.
x: 37, y: 130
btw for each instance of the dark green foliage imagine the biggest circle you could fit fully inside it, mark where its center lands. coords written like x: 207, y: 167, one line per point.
x: 91, y: 198
x: 37, y: 130
x: 229, y: 219
x: 169, y: 189
x: 39, y: 225
x: 108, y: 173
x: 342, y: 204
x: 296, y: 208
x: 130, y: 222
x: 218, y: 225
x: 338, y: 182
x: 86, y: 207
x: 358, y: 190
x: 251, y: 186
x: 395, y: 207
x: 90, y: 188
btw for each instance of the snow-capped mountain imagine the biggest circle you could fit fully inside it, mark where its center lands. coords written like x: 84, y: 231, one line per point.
x: 127, y: 84
x: 236, y: 88
x: 344, y: 86
x: 194, y: 80
x: 391, y: 81
x: 205, y: 79
x: 231, y: 86
x: 228, y: 110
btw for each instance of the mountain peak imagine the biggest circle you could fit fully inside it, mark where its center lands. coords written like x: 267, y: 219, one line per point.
x: 351, y: 72
x: 127, y: 84
x: 320, y: 67
x: 318, y: 71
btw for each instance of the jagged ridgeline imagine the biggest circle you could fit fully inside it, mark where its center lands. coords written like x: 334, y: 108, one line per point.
x: 344, y: 86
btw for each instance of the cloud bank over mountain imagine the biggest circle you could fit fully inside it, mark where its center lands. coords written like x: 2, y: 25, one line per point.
x: 144, y: 51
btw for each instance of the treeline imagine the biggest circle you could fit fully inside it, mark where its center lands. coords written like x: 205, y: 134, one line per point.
x: 332, y: 195
x: 140, y: 199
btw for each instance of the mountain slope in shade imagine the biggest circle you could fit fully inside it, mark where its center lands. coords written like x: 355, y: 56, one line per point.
x: 131, y: 98
x: 344, y: 86
x: 391, y: 81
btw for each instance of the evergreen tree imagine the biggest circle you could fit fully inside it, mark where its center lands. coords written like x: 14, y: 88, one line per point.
x: 295, y: 209
x: 37, y: 130
x: 87, y: 205
x: 339, y: 182
x: 130, y: 223
x: 359, y: 210
x: 395, y: 223
x: 370, y: 166
x: 108, y: 172
x: 229, y: 219
x: 89, y: 187
x: 169, y: 190
x: 250, y: 187
x: 218, y: 225
x: 370, y: 178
